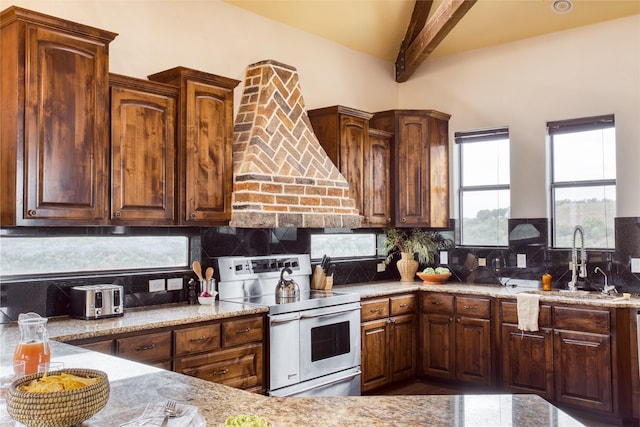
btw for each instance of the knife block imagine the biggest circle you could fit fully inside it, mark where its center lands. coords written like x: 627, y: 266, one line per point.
x: 320, y: 280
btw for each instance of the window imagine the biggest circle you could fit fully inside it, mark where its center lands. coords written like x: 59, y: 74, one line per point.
x: 29, y: 256
x: 583, y: 180
x: 484, y: 187
x: 343, y: 245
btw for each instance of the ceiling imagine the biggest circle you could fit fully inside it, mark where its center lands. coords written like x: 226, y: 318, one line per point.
x: 377, y: 27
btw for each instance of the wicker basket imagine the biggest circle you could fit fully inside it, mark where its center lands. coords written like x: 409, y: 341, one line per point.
x: 61, y: 408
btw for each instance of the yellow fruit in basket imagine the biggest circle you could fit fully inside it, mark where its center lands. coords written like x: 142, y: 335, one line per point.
x: 53, y: 383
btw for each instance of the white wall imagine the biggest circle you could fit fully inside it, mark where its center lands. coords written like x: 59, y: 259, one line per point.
x: 222, y: 39
x: 584, y: 72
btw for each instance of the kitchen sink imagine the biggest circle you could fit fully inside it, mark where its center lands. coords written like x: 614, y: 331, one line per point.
x: 575, y: 294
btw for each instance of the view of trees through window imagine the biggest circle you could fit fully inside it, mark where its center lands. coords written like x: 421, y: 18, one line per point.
x: 485, y: 196
x: 583, y: 188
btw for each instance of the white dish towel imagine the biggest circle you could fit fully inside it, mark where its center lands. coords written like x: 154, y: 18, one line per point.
x: 528, y: 310
x: 186, y: 416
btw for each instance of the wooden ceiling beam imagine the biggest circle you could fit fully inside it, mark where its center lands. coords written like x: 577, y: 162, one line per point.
x: 414, y: 52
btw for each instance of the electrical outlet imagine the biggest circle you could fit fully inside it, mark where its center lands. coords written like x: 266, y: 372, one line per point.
x: 444, y: 257
x: 156, y: 285
x: 381, y: 267
x: 482, y: 262
x: 522, y: 261
x: 174, y: 284
x: 635, y: 265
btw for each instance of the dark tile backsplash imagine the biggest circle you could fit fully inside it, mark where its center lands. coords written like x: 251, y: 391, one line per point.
x: 50, y: 297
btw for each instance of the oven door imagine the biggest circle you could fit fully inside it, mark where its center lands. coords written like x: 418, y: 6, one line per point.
x: 329, y: 340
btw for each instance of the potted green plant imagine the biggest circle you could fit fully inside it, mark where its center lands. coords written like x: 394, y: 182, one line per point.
x: 408, y: 243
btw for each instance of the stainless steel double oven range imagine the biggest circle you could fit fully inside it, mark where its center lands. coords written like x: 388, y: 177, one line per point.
x: 314, y: 338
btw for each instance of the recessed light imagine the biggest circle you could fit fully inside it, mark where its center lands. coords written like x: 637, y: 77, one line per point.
x: 562, y: 6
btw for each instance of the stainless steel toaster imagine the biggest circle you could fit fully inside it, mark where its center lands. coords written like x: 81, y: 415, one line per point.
x: 96, y: 301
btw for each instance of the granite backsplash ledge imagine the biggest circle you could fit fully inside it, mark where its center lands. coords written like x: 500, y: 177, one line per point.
x: 50, y: 296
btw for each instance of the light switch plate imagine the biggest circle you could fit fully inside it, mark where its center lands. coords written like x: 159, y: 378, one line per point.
x: 381, y: 267
x: 482, y: 262
x: 156, y: 285
x: 635, y: 265
x: 444, y: 257
x: 174, y: 284
x: 522, y: 261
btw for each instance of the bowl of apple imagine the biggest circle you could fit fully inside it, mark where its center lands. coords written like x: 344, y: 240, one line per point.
x: 434, y: 276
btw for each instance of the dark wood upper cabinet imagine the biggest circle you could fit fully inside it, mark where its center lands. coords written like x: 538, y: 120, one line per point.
x: 420, y: 169
x: 55, y: 134
x: 143, y: 147
x: 377, y: 178
x: 205, y: 142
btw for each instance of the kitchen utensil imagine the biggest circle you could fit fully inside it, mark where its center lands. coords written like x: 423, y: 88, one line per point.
x: 287, y: 290
x: 170, y: 412
x: 33, y: 346
x: 208, y: 274
x: 197, y: 268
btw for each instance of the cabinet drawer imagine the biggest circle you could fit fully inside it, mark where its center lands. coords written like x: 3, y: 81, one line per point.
x: 403, y: 304
x: 242, y: 331
x: 195, y: 340
x: 374, y: 309
x: 99, y: 346
x: 240, y: 368
x: 437, y: 303
x: 145, y: 348
x: 473, y: 307
x: 582, y: 319
x: 510, y: 314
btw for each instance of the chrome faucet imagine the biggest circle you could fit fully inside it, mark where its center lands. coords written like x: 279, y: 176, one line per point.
x: 575, y: 269
x: 607, y: 289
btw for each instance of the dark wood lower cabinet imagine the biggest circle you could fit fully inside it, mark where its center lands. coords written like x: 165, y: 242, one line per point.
x: 473, y: 350
x: 582, y: 369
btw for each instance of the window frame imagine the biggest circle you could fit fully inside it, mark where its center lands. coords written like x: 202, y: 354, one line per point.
x: 559, y: 127
x: 471, y: 137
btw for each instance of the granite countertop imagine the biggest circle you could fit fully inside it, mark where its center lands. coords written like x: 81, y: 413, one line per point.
x: 134, y: 385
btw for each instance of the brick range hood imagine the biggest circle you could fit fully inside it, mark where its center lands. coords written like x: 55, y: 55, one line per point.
x: 282, y: 177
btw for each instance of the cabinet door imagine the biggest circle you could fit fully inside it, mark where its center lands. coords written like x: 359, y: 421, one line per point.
x: 375, y: 354
x: 377, y: 179
x: 353, y: 138
x: 438, y: 172
x: 527, y: 361
x: 412, y: 168
x: 208, y: 163
x: 403, y: 347
x: 146, y: 347
x: 143, y: 153
x: 582, y: 365
x: 66, y: 132
x: 438, y: 346
x: 473, y: 350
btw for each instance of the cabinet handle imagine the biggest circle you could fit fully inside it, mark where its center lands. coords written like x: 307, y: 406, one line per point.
x: 243, y: 331
x: 31, y: 212
x: 221, y: 372
x: 193, y: 215
x: 436, y: 303
x: 389, y: 220
x: 450, y: 319
x: 404, y: 305
x: 374, y: 310
x: 470, y: 307
x: 202, y: 338
x: 403, y: 219
x: 118, y: 214
x: 146, y: 347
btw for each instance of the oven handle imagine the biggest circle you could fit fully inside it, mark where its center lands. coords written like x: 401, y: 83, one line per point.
x: 337, y: 380
x: 328, y: 313
x: 284, y: 318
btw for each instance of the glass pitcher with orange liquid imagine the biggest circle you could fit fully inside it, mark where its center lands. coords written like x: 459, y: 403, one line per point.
x: 33, y: 347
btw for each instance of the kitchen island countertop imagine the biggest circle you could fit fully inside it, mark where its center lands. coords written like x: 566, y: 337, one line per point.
x: 134, y: 385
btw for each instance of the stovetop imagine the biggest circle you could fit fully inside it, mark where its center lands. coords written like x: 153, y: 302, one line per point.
x: 307, y: 300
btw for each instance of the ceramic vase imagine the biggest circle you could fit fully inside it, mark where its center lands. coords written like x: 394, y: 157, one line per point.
x: 407, y: 267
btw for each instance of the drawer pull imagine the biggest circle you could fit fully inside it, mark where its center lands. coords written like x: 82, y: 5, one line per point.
x: 146, y: 347
x: 221, y: 372
x: 436, y: 303
x: 404, y: 305
x: 470, y: 307
x: 374, y: 310
x: 202, y: 338
x: 243, y: 331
